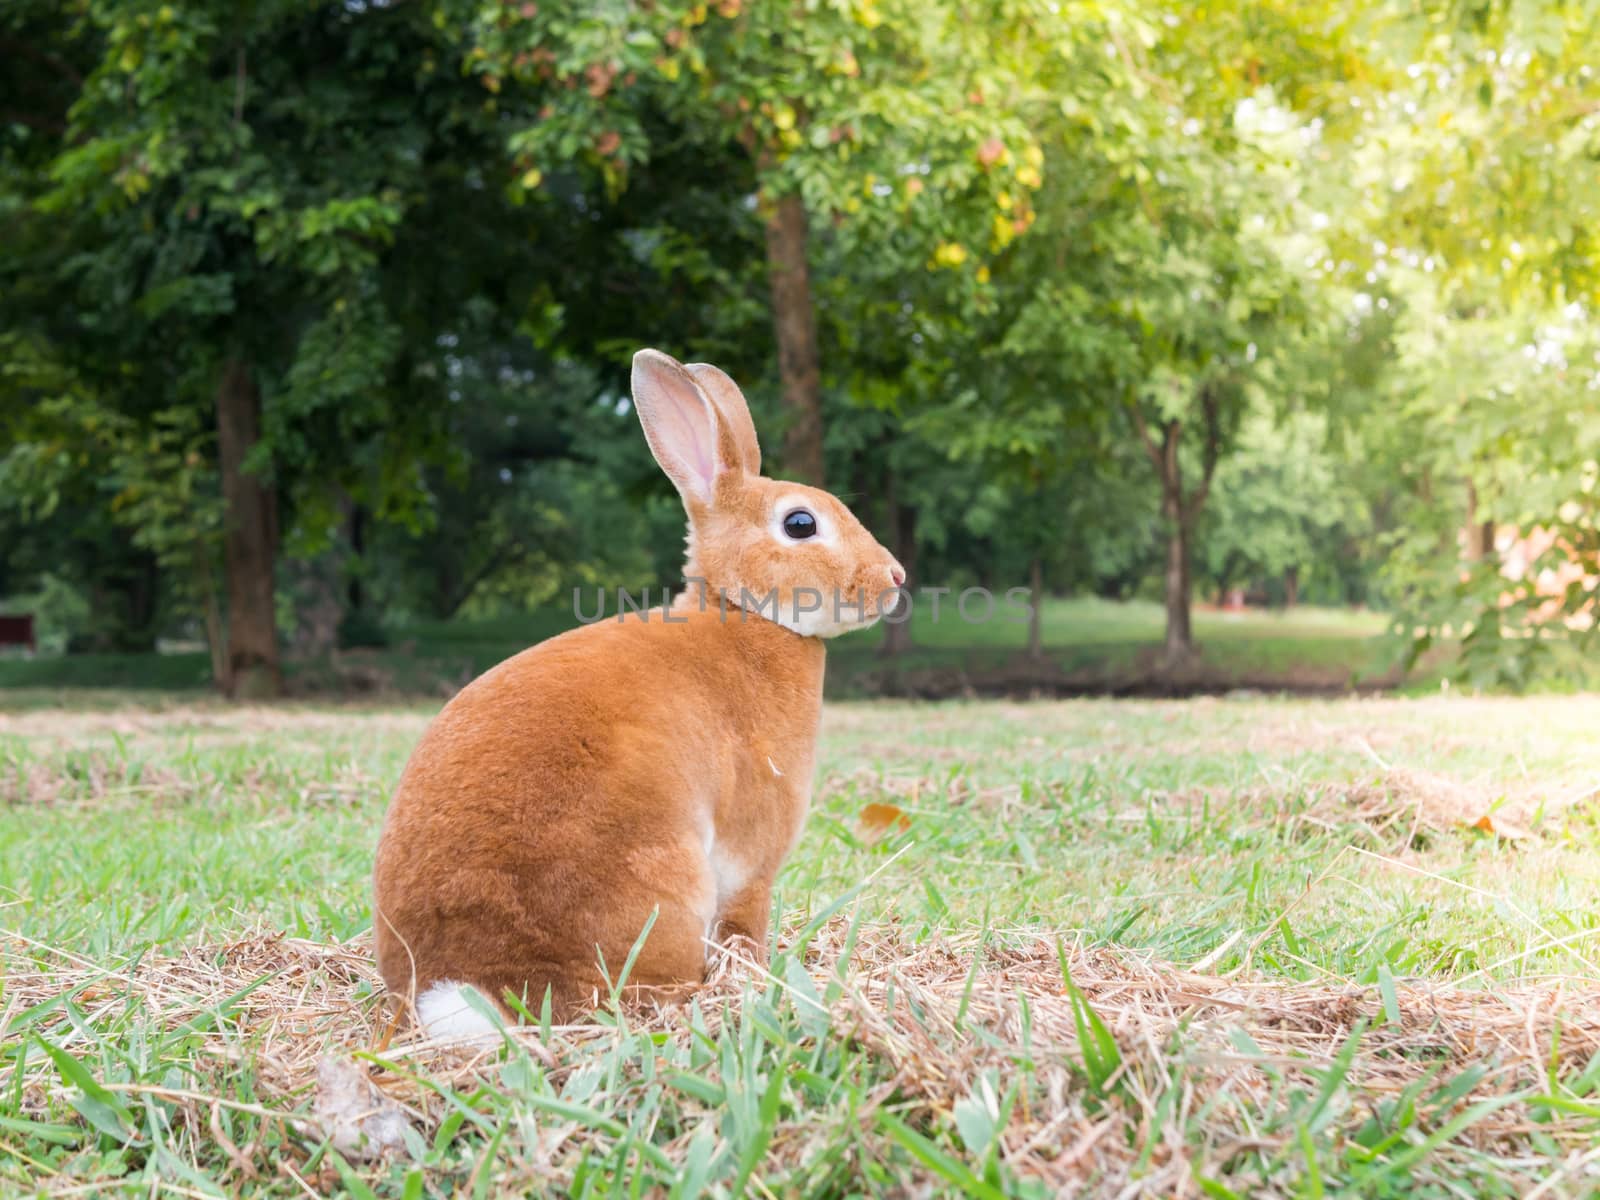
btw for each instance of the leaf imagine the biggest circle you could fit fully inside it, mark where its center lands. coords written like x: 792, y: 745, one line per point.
x: 1314, y: 1187
x: 591, y: 1118
x: 696, y: 1163
x: 56, y: 1135
x: 937, y: 1160
x: 879, y: 820
x: 809, y: 1009
x: 101, y: 1108
x: 1500, y: 827
x: 1289, y: 939
x: 708, y: 1092
x: 448, y: 1128
x: 1391, y: 1001
x: 1562, y: 1104
x: 977, y: 1116
x: 1101, y: 1056
x: 1334, y: 1077
x: 353, y: 1182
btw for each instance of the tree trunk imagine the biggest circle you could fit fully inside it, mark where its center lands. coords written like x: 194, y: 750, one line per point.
x: 1291, y: 587
x: 211, y: 611
x: 1477, y: 536
x: 794, y: 323
x: 1181, y: 511
x: 1036, y: 616
x: 250, y: 544
x: 902, y: 521
x: 1180, y: 631
x: 1180, y: 624
x: 1225, y: 577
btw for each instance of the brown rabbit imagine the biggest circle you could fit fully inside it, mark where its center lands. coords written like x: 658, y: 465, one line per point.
x: 657, y: 764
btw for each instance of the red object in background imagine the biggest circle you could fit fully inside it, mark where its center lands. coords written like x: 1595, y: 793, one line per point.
x: 18, y: 631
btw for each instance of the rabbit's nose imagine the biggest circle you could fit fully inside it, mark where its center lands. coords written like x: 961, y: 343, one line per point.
x: 898, y: 575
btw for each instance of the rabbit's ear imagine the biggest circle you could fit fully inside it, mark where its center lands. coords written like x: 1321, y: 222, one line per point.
x: 731, y: 407
x: 693, y: 446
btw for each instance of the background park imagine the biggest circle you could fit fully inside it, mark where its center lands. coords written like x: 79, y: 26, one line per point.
x: 1258, y: 343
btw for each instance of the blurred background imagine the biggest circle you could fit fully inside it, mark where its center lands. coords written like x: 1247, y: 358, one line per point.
x: 1258, y: 341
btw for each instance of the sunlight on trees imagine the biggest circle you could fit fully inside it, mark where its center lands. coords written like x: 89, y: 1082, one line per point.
x: 1293, y: 297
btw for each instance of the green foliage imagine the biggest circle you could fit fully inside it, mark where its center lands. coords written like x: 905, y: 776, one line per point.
x: 847, y: 106
x: 1340, y: 259
x: 187, y: 215
x: 1283, y: 502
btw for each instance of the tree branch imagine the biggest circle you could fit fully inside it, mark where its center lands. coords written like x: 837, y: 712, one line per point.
x: 1150, y: 447
x: 501, y: 556
x: 1211, y: 410
x: 1172, y: 472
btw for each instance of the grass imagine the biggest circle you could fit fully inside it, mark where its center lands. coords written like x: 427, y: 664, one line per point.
x: 1090, y: 643
x: 1216, y: 947
x: 1096, y: 644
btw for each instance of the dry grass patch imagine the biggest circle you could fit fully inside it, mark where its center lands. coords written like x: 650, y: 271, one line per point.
x: 91, y: 778
x: 104, y: 781
x: 967, y: 1063
x: 205, y: 722
x: 1396, y: 808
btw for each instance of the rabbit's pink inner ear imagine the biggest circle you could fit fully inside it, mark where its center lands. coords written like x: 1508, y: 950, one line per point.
x: 678, y: 421
x: 733, y: 414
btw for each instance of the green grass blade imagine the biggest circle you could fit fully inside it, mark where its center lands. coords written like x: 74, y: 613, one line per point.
x: 950, y: 1169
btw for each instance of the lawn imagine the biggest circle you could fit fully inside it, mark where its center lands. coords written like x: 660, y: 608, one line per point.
x: 1091, y: 645
x: 1212, y: 947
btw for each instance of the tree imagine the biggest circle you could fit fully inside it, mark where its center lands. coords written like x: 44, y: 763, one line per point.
x: 1468, y: 207
x: 1282, y: 509
x: 1487, y: 426
x: 187, y: 261
x: 1155, y: 298
x: 844, y: 116
x: 1208, y: 317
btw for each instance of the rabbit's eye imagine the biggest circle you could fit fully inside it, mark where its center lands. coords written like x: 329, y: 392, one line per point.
x: 800, y: 525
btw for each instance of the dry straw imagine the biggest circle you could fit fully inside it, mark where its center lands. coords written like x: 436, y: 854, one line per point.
x: 1198, y: 1058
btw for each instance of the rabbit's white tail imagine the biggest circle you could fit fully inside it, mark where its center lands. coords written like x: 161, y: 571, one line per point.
x: 444, y: 1013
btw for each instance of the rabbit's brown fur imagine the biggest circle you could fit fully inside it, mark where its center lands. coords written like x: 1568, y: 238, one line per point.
x: 657, y: 764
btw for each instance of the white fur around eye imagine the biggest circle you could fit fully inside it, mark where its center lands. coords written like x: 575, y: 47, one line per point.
x: 826, y: 535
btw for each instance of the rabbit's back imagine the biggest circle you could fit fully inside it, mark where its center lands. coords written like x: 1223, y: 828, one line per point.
x: 569, y: 793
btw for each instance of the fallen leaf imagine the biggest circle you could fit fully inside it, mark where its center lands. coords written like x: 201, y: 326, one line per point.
x: 878, y: 820
x: 1500, y: 827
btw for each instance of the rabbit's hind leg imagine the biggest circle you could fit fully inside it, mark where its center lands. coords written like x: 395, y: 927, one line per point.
x: 671, y: 960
